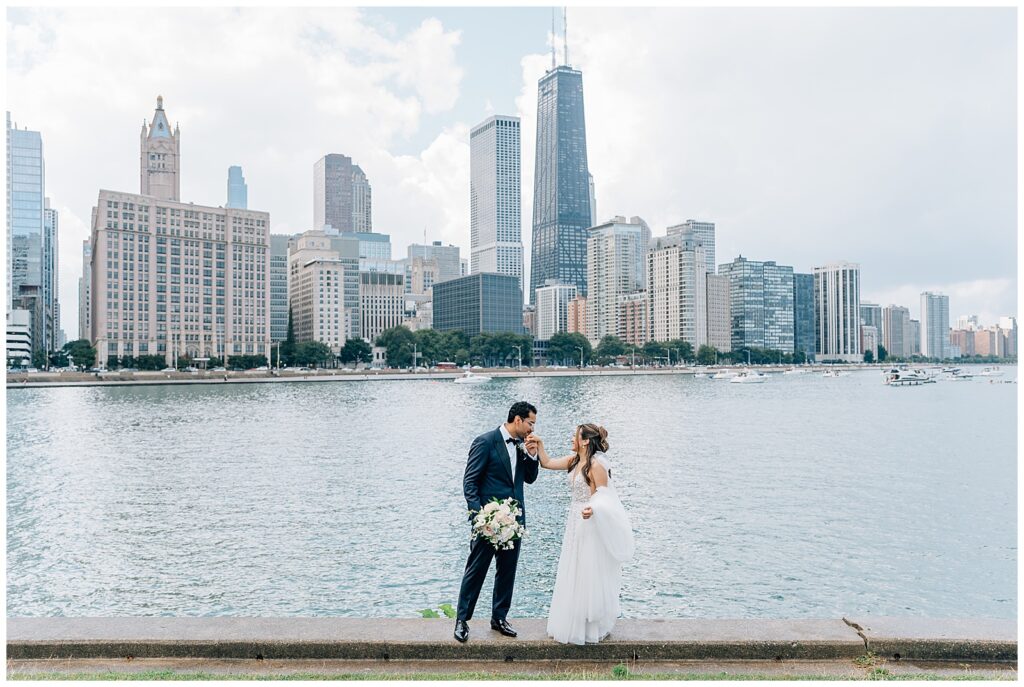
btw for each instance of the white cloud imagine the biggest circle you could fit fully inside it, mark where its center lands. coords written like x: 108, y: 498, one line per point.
x: 879, y: 136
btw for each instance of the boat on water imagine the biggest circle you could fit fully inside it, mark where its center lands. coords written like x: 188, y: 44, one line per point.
x: 898, y: 377
x: 724, y: 374
x: 470, y: 378
x: 834, y: 373
x: 991, y: 372
x: 955, y: 374
x: 749, y: 377
x: 700, y: 375
x: 794, y: 371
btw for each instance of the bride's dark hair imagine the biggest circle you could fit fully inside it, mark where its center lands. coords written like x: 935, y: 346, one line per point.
x: 596, y: 437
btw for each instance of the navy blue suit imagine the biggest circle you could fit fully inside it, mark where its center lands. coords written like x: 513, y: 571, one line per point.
x: 489, y: 475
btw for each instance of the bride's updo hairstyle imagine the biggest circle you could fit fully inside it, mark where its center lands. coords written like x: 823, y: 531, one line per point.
x: 596, y: 437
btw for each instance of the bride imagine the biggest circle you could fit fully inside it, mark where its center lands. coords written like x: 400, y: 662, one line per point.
x: 598, y: 539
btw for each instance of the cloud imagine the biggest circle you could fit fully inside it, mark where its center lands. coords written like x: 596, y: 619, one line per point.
x: 271, y: 89
x: 880, y: 136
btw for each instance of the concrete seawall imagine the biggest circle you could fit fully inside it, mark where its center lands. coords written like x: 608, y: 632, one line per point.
x: 922, y: 639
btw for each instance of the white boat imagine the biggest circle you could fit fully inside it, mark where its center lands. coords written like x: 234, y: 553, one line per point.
x: 470, y: 378
x: 897, y: 377
x: 991, y: 372
x: 834, y: 373
x: 724, y: 374
x: 749, y: 377
x: 795, y: 371
x: 700, y: 375
x: 955, y: 374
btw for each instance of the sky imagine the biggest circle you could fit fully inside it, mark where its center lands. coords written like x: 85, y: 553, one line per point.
x: 881, y: 136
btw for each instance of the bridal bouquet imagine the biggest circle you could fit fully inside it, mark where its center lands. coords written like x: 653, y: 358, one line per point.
x: 496, y: 522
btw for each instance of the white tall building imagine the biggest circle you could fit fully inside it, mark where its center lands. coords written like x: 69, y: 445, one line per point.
x: 316, y: 291
x: 616, y: 255
x: 704, y: 233
x: 381, y: 302
x: 552, y: 311
x: 968, y: 323
x: 677, y: 290
x: 495, y: 214
x: 837, y: 312
x: 449, y: 260
x: 172, y: 278
x: 934, y: 325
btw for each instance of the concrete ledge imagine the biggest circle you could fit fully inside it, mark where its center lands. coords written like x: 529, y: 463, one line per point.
x: 422, y: 639
x: 947, y: 640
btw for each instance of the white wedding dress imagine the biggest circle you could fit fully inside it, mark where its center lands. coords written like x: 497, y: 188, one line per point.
x: 585, y: 603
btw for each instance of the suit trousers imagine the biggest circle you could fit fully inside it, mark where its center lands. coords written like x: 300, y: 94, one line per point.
x: 479, y: 562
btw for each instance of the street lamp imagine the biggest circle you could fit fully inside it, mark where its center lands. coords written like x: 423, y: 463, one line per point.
x: 581, y: 356
x: 748, y: 357
x: 519, y: 349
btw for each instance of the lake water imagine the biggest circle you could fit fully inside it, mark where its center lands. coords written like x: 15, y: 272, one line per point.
x: 802, y: 497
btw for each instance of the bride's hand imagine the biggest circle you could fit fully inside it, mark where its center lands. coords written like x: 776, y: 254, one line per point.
x: 587, y: 512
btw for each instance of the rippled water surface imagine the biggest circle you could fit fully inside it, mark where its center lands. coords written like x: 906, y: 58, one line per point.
x: 801, y: 497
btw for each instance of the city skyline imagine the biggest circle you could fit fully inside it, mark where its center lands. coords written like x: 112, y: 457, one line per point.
x: 881, y: 183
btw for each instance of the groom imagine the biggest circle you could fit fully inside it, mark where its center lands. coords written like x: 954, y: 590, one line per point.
x: 497, y: 467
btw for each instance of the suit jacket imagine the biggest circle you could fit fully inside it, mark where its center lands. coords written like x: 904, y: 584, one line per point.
x: 489, y: 473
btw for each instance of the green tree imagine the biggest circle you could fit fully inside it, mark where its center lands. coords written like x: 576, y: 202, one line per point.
x: 399, y: 342
x: 356, y: 351
x: 564, y: 348
x: 430, y: 344
x: 707, y: 355
x: 151, y: 362
x: 610, y: 347
x: 313, y: 353
x: 882, y: 353
x: 653, y: 350
x: 39, y: 359
x: 81, y: 353
x: 869, y: 357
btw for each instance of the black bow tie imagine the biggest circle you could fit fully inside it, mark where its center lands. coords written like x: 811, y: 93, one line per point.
x: 510, y: 440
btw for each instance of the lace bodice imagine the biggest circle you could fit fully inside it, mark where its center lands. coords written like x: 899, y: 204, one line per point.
x: 579, y: 487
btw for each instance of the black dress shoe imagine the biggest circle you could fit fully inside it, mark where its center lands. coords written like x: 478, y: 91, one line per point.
x: 502, y: 627
x: 461, y: 631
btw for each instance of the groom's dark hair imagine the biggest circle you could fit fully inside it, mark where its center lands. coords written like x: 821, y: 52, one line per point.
x: 520, y: 409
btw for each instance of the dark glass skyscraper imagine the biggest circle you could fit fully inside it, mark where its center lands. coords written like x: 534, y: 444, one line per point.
x: 561, y: 183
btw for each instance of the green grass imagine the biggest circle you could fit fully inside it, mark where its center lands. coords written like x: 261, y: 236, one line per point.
x: 876, y: 674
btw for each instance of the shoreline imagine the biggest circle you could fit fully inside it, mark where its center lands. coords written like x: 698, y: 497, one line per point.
x: 80, y: 379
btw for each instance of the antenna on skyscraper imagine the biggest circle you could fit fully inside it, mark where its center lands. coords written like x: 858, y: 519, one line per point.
x: 565, y: 34
x: 552, y: 37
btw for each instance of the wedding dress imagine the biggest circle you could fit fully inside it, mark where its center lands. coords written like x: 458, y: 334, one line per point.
x: 585, y: 603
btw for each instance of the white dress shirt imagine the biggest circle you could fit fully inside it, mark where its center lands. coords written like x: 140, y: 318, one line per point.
x: 511, y: 448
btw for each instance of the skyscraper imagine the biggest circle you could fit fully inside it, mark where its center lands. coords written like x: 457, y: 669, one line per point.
x: 341, y: 195
x: 896, y: 331
x: 561, y: 188
x: 552, y: 314
x: 238, y: 192
x: 449, y: 261
x: 176, y: 279
x: 704, y: 232
x: 160, y: 157
x: 677, y: 290
x: 31, y: 236
x: 934, y: 325
x: 278, y: 287
x: 616, y: 265
x: 760, y: 304
x: 495, y: 229
x: 837, y: 312
x: 803, y: 315
x: 51, y: 226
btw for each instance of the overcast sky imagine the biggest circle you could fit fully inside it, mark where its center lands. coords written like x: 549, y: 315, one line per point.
x: 880, y: 136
